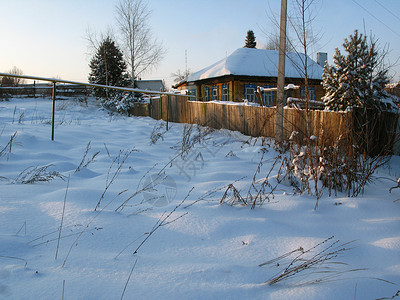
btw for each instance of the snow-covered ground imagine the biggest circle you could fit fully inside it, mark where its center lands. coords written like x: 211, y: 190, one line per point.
x: 203, y: 249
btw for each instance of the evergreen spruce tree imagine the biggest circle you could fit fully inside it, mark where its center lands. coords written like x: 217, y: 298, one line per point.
x: 250, y: 41
x: 108, y: 68
x: 357, y: 79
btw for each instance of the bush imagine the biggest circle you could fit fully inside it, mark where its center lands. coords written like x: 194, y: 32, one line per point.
x: 121, y: 102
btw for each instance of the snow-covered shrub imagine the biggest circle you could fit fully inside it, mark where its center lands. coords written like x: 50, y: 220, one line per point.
x: 121, y: 102
x: 312, y: 166
x: 302, y: 164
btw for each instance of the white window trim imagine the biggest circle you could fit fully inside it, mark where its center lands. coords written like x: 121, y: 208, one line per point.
x: 251, y: 95
x: 225, y: 94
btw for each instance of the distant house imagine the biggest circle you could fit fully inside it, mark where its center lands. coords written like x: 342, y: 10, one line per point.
x: 150, y: 85
x: 393, y: 89
x: 237, y: 77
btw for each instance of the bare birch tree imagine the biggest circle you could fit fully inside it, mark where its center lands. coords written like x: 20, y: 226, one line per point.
x: 142, y: 51
x: 301, y: 25
x: 180, y: 75
x: 272, y: 42
x: 301, y: 36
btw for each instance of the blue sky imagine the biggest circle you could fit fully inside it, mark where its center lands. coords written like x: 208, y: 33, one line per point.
x: 47, y: 37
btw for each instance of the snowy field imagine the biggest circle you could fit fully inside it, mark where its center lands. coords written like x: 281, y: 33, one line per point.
x: 159, y: 231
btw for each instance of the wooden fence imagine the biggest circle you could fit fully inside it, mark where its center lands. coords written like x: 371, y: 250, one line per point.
x: 371, y: 130
x: 256, y: 121
x: 44, y: 90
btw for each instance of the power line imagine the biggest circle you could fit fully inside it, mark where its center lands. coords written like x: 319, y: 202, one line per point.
x: 376, y: 18
x: 388, y: 10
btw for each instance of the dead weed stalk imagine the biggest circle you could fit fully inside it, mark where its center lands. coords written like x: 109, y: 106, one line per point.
x: 318, y: 264
x: 192, y: 135
x: 117, y: 163
x: 88, y: 225
x: 260, y: 189
x: 8, y: 147
x: 163, y: 220
x: 158, y: 132
x: 36, y: 174
x: 85, y: 162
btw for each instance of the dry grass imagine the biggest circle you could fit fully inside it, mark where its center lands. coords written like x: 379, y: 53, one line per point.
x: 317, y: 264
x: 232, y: 196
x: 191, y: 136
x: 158, y: 132
x: 8, y: 147
x: 86, y: 161
x: 36, y: 174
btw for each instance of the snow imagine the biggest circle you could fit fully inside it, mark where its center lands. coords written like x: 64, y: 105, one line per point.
x: 208, y: 250
x: 245, y: 102
x: 259, y: 62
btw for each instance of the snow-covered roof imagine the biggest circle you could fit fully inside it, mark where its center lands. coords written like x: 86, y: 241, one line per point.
x: 151, y: 85
x: 259, y: 62
x: 393, y: 85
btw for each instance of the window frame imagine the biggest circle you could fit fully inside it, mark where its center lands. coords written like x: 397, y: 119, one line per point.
x: 192, y: 92
x: 214, y: 93
x: 270, y: 95
x: 248, y: 87
x: 206, y: 93
x: 225, y: 92
x: 312, y: 93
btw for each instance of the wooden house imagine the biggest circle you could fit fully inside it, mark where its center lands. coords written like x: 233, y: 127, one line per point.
x: 237, y: 77
x: 151, y: 85
x: 393, y: 89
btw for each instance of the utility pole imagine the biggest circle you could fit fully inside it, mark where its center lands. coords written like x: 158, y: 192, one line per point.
x: 186, y: 67
x: 281, y: 75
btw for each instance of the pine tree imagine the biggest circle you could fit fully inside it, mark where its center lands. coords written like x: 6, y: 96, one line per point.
x: 357, y: 79
x: 250, y: 41
x: 108, y: 68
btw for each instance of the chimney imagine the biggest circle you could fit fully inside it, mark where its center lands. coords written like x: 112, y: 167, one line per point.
x: 322, y: 57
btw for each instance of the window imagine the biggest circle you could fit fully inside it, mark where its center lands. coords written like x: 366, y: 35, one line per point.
x: 225, y: 92
x: 249, y: 94
x: 268, y: 97
x: 193, y: 92
x: 311, y: 93
x: 206, y: 93
x: 214, y: 93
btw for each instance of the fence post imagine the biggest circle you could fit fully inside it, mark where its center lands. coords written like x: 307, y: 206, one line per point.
x: 167, y: 110
x: 160, y: 114
x: 150, y: 108
x: 396, y: 146
x: 53, y: 111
